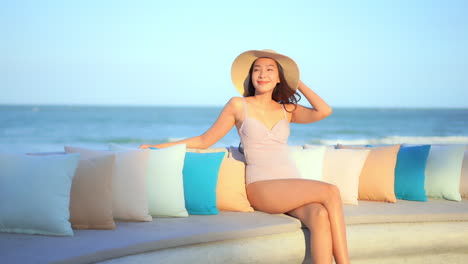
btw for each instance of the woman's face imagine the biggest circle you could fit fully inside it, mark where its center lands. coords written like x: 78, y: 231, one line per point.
x: 265, y: 75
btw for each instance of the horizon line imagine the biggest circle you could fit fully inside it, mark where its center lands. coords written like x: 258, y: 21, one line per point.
x: 214, y: 106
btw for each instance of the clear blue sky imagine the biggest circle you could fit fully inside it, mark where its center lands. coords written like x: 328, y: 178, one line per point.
x: 352, y: 53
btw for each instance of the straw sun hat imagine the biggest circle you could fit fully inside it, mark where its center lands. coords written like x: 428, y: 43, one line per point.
x: 241, y: 66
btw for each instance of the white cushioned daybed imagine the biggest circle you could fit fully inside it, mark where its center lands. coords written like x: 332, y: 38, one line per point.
x: 434, y: 231
x: 404, y: 232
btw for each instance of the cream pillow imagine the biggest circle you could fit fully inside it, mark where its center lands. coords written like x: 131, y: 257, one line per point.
x: 342, y: 167
x: 129, y: 198
x: 443, y: 170
x: 309, y: 162
x: 91, y: 194
x: 164, y: 181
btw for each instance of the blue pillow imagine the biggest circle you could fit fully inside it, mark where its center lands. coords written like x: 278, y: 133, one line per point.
x: 410, y: 173
x: 200, y: 179
x: 35, y: 193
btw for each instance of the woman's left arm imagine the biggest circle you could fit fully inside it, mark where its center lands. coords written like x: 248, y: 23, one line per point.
x: 320, y: 109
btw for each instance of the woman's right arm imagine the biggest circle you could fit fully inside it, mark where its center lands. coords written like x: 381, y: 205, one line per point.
x: 224, y: 123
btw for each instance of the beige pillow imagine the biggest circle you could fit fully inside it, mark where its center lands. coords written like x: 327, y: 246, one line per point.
x: 464, y: 177
x: 91, y: 194
x: 377, y: 180
x: 231, y: 194
x: 129, y: 198
x: 342, y: 168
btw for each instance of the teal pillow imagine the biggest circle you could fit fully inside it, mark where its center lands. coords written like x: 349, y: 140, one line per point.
x: 35, y: 193
x: 200, y: 179
x: 409, y: 173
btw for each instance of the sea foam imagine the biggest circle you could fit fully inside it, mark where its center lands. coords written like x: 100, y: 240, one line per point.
x: 398, y: 140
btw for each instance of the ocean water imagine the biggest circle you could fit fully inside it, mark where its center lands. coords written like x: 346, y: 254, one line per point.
x: 49, y: 128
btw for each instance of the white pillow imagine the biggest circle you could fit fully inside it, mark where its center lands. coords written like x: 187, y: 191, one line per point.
x: 129, y: 199
x: 443, y: 171
x: 35, y: 193
x: 309, y: 162
x: 164, y: 181
x: 342, y: 167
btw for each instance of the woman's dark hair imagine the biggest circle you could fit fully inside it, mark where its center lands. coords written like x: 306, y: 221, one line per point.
x: 282, y: 93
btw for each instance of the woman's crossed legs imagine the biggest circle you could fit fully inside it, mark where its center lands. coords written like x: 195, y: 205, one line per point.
x: 317, y: 204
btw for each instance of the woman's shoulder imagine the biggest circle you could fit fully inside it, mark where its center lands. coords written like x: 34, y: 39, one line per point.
x: 235, y: 101
x: 235, y: 104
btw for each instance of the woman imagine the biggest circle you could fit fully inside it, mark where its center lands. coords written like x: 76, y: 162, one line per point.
x: 269, y: 81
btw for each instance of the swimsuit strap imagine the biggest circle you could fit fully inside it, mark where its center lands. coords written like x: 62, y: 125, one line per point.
x: 245, y: 108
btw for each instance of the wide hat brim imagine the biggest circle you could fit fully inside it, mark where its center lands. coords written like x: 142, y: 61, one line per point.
x: 241, y: 66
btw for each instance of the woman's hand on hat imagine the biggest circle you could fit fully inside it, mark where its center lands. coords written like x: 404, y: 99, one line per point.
x: 320, y: 109
x: 301, y: 85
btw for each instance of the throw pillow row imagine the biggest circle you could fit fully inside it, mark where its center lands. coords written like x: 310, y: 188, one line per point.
x: 88, y: 189
x: 388, y: 173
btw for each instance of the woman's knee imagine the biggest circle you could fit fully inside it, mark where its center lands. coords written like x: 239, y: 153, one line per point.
x: 316, y: 218
x: 334, y: 194
x: 317, y: 213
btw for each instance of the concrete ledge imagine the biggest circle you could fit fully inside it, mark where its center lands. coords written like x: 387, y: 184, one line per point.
x: 408, y: 240
x: 281, y: 248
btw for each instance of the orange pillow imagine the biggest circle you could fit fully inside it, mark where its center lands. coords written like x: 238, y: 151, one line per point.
x: 377, y: 179
x: 231, y: 194
x: 230, y: 191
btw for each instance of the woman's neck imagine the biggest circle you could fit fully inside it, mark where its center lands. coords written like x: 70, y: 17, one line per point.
x: 264, y: 99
